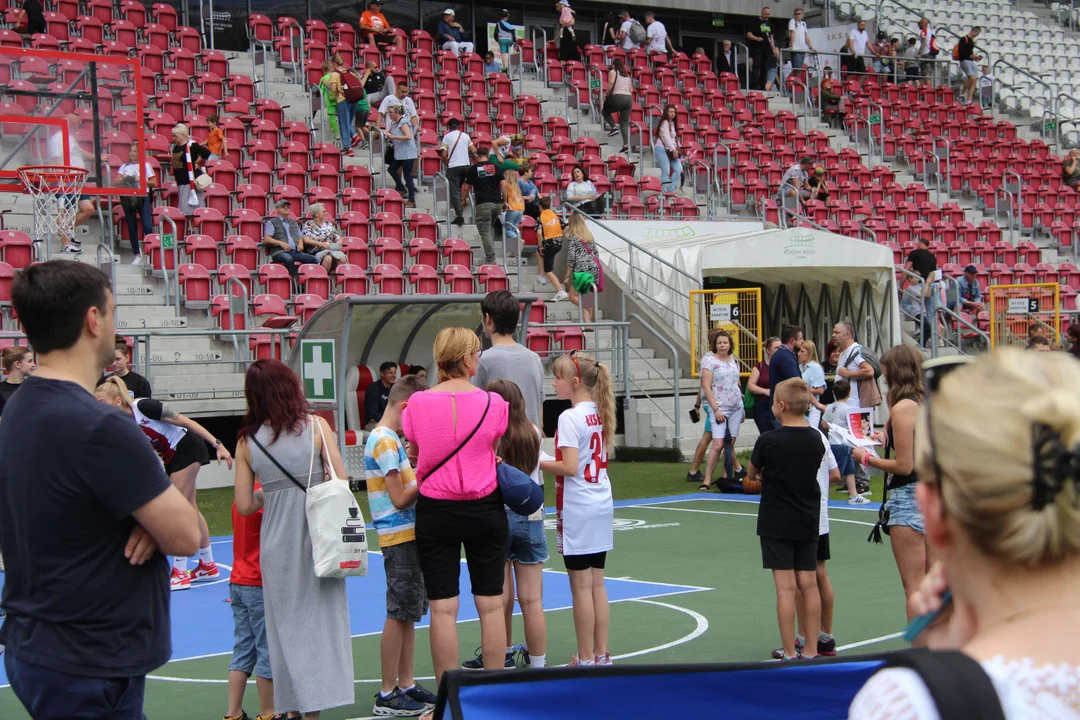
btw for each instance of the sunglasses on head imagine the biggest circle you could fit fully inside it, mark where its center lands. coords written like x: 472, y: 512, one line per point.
x: 934, y: 371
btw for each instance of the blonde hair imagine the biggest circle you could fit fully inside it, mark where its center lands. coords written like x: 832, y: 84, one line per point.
x: 796, y: 393
x: 114, y: 387
x: 811, y: 350
x: 513, y: 190
x: 988, y: 468
x: 12, y: 355
x: 597, y: 380
x: 452, y: 346
x: 577, y: 226
x: 181, y: 129
x: 337, y: 59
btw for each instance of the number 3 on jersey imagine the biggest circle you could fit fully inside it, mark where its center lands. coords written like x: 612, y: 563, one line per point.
x: 599, y: 458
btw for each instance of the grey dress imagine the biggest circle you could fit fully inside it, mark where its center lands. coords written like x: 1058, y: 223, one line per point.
x: 307, y: 617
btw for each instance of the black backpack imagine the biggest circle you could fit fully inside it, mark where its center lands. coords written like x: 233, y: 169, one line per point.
x: 960, y: 687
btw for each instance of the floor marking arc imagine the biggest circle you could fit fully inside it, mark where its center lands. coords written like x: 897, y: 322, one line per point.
x: 721, y: 512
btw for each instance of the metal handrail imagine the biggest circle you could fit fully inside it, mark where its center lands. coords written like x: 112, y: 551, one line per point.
x: 709, y: 198
x: 642, y: 139
x: 435, y: 180
x: 301, y: 72
x: 960, y: 321
x: 176, y: 260
x: 880, y: 140
x: 539, y: 51
x: 730, y: 170
x: 1065, y: 121
x: 589, y: 71
x: 746, y: 64
x: 1013, y: 219
x: 806, y: 98
x: 1051, y: 89
x: 676, y: 374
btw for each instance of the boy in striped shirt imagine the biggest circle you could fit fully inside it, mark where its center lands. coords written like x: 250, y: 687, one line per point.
x: 392, y: 491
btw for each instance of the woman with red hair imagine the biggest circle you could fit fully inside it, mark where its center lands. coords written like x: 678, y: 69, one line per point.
x: 307, y: 617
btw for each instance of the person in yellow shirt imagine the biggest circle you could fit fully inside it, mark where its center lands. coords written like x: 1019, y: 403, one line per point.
x: 551, y: 245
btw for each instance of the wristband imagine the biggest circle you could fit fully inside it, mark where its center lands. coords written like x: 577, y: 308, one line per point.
x: 866, y: 460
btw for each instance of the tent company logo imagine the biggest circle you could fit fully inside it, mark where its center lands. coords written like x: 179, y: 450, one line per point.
x: 803, y: 245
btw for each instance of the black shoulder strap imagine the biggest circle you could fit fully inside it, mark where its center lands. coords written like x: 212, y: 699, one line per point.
x: 960, y: 687
x: 464, y: 442
x: 274, y: 460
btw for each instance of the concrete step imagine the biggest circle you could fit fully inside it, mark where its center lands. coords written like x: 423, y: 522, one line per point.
x: 190, y: 387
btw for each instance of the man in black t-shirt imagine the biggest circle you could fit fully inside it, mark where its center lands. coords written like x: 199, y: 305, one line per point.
x: 922, y: 261
x: 787, y: 462
x: 138, y: 386
x: 763, y: 52
x: 486, y: 181
x: 87, y: 515
x: 377, y: 395
x: 965, y: 53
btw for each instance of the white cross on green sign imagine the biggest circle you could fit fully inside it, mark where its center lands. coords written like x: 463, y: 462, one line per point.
x: 317, y: 370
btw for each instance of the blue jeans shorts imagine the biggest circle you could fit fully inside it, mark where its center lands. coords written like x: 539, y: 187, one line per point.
x: 528, y: 541
x: 250, y: 652
x: 903, y: 510
x: 844, y: 462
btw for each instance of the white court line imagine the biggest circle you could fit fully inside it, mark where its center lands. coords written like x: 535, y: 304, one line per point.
x: 645, y: 502
x: 701, y: 627
x: 721, y: 512
x: 871, y: 641
x: 692, y: 588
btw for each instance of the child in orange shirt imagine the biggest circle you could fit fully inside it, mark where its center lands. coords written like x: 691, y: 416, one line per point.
x: 552, y: 244
x: 215, y: 141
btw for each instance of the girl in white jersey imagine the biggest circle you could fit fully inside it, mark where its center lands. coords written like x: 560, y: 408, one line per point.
x: 583, y: 496
x: 173, y: 438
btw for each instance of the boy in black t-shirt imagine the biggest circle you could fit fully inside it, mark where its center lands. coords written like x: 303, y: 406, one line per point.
x: 138, y: 386
x: 787, y: 461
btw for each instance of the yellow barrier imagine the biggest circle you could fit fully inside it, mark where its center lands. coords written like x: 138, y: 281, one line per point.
x: 1014, y: 308
x: 739, y: 312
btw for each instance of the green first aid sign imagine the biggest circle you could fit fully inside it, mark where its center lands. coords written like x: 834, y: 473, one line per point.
x: 317, y: 370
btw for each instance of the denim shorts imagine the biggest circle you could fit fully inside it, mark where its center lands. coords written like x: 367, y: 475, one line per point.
x: 844, y: 462
x: 528, y: 541
x: 406, y: 599
x: 250, y: 652
x: 903, y: 510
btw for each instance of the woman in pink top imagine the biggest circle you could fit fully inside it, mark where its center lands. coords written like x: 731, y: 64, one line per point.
x: 459, y: 502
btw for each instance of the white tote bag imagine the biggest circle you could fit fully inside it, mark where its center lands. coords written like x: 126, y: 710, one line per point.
x: 335, y: 524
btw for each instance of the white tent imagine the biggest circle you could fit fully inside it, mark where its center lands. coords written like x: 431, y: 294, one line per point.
x: 809, y: 276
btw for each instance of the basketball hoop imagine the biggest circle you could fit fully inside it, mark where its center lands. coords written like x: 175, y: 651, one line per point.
x: 54, y: 191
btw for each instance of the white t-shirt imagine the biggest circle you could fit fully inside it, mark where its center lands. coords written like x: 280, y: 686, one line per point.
x: 657, y: 35
x: 56, y: 149
x: 859, y: 41
x: 798, y: 40
x: 132, y: 170
x: 460, y: 157
x: 583, y: 501
x: 627, y: 43
x: 828, y: 464
x: 851, y: 359
x: 725, y: 383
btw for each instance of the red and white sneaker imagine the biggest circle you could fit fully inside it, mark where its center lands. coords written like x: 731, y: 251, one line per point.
x: 205, y: 571
x: 180, y: 580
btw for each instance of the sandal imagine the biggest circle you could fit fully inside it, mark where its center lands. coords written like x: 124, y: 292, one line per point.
x: 705, y: 487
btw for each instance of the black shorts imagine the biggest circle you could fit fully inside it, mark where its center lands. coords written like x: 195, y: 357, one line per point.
x: 823, y: 553
x: 444, y: 526
x: 550, y: 248
x: 190, y: 450
x: 383, y: 38
x: 797, y: 555
x: 361, y: 117
x: 585, y: 562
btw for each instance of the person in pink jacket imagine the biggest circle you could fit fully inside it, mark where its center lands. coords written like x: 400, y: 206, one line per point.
x: 452, y: 430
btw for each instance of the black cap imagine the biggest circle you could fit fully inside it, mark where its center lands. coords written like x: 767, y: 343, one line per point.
x: 971, y: 269
x: 881, y: 35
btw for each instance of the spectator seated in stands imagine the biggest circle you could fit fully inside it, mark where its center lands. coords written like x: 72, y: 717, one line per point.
x: 1070, y: 169
x: 971, y: 299
x: 284, y: 241
x: 509, y: 151
x: 377, y: 395
x: 490, y: 66
x: 793, y: 184
x: 451, y: 34
x: 319, y: 232
x: 375, y: 27
x: 583, y: 193
x: 816, y: 189
x: 1039, y: 344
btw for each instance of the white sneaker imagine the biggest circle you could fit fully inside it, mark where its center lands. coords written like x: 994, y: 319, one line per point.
x: 137, y: 260
x: 71, y: 250
x: 858, y: 500
x: 541, y: 280
x: 560, y: 296
x: 2, y: 564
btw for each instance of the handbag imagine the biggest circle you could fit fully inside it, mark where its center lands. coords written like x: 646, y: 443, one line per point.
x: 464, y: 442
x: 203, y: 181
x: 748, y: 399
x: 673, y: 155
x: 336, y: 527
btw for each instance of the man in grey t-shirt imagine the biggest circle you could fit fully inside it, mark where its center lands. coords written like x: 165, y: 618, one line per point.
x: 506, y: 359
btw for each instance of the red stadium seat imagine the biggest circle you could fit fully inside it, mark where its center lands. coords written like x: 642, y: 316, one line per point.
x: 424, y: 280
x: 194, y: 286
x: 314, y: 280
x: 388, y: 280
x: 275, y: 280
x: 351, y: 280
x: 306, y: 304
x: 458, y: 279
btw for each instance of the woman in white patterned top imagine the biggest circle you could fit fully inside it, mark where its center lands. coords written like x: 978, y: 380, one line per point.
x: 321, y: 234
x: 1000, y: 504
x: 720, y: 376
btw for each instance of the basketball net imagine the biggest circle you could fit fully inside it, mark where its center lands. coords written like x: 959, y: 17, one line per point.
x: 54, y: 191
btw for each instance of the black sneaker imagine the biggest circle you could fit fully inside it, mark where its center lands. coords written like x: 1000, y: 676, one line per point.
x: 421, y: 694
x: 397, y: 704
x: 826, y: 647
x: 613, y: 132
x: 477, y: 663
x: 459, y: 221
x: 862, y: 488
x: 695, y: 478
x: 740, y: 473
